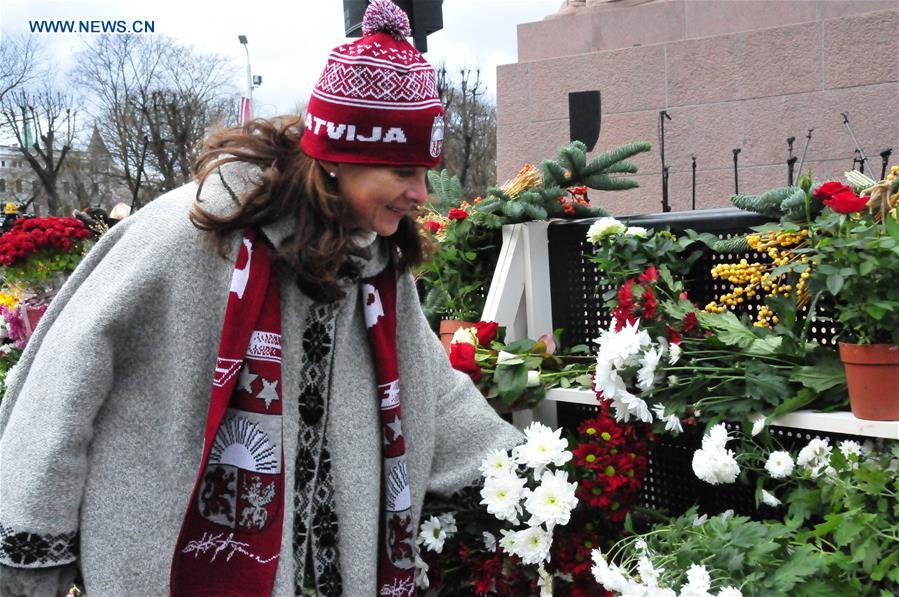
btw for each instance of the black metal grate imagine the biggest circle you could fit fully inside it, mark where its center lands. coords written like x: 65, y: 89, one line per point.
x: 670, y: 484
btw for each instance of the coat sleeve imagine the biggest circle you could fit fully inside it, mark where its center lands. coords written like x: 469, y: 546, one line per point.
x: 467, y: 427
x: 53, y: 396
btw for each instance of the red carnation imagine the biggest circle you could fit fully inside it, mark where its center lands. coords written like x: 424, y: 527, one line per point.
x: 486, y: 331
x: 462, y: 359
x: 689, y: 322
x: 649, y: 303
x: 673, y: 335
x: 431, y: 226
x: 650, y: 275
x: 457, y: 214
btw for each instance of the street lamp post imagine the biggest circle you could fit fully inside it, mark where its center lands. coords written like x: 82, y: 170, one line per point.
x: 243, y: 42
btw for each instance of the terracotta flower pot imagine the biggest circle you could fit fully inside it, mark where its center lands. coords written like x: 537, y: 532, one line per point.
x: 448, y: 327
x: 872, y: 371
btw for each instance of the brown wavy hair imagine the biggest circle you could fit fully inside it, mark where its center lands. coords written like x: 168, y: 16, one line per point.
x: 294, y: 185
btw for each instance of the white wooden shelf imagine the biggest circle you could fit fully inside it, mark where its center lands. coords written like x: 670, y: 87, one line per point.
x: 835, y: 422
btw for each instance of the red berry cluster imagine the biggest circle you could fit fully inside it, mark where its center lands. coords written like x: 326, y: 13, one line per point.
x: 31, y: 235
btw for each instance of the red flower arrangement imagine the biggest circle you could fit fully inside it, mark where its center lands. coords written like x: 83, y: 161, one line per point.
x: 840, y: 197
x: 610, y: 464
x: 30, y: 236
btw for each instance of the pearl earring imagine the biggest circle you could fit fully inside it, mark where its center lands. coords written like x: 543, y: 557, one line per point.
x: 332, y: 174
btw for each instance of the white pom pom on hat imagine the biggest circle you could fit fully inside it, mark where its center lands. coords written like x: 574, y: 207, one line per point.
x: 385, y: 16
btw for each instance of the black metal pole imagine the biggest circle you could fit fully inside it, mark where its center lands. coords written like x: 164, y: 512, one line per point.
x: 693, y: 157
x: 858, y: 146
x: 885, y: 157
x: 855, y: 160
x: 791, y: 160
x: 808, y: 140
x: 736, y: 175
x: 663, y: 114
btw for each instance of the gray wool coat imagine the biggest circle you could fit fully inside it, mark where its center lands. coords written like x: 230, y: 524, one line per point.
x: 102, y: 422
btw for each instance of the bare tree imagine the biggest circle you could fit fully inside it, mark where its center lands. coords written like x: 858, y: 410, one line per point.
x: 470, y: 139
x: 154, y: 100
x: 18, y: 61
x: 44, y: 125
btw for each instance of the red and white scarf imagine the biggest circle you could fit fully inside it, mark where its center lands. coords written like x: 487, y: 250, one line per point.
x: 231, y: 535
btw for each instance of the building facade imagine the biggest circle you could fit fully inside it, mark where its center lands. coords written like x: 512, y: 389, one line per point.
x: 732, y: 74
x: 89, y: 178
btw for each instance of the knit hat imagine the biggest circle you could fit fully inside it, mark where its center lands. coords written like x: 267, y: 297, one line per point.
x: 376, y: 101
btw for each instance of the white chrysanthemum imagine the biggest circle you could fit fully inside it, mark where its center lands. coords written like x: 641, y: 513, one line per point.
x: 448, y: 522
x: 432, y: 535
x: 730, y: 592
x: 648, y: 573
x: 779, y: 464
x: 497, y: 462
x: 640, y: 545
x: 552, y: 501
x: 769, y: 499
x: 716, y: 437
x: 533, y: 544
x: 421, y: 573
x: 646, y: 375
x: 609, y: 576
x: 698, y: 578
x: 715, y: 465
x: 509, y: 541
x: 502, y: 496
x: 698, y: 521
x: 489, y: 541
x: 635, y: 406
x: 851, y: 449
x: 815, y: 456
x: 672, y: 423
x: 622, y: 348
x: 465, y: 336
x: 637, y: 231
x: 543, y: 447
x: 604, y: 227
x: 674, y: 353
x: 758, y: 425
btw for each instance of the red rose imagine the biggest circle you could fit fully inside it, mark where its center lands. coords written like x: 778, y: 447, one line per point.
x: 846, y: 202
x: 486, y: 331
x: 431, y: 226
x: 462, y: 359
x: 829, y: 189
x: 457, y: 214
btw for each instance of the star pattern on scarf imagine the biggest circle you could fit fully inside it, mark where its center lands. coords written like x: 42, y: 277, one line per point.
x: 269, y: 392
x: 396, y: 427
x: 246, y: 380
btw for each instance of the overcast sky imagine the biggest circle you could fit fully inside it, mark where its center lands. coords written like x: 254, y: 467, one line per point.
x: 288, y: 40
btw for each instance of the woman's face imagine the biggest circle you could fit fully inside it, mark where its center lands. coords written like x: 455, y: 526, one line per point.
x: 381, y: 196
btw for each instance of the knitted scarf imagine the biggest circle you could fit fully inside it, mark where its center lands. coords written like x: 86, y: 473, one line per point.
x: 231, y: 535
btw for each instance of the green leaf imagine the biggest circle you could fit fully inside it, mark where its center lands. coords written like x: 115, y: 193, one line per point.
x: 727, y: 328
x: 511, y: 381
x: 803, y: 398
x: 834, y: 283
x: 764, y: 346
x: 876, y: 312
x: 892, y: 228
x: 764, y: 383
x: 801, y: 564
x: 823, y: 375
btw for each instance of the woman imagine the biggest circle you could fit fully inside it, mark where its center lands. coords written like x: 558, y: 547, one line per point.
x: 167, y: 440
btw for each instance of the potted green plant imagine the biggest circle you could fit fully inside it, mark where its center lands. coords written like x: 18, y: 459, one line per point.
x: 854, y: 254
x: 458, y: 277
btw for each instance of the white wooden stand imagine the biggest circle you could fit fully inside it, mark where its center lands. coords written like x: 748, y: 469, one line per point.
x: 519, y: 299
